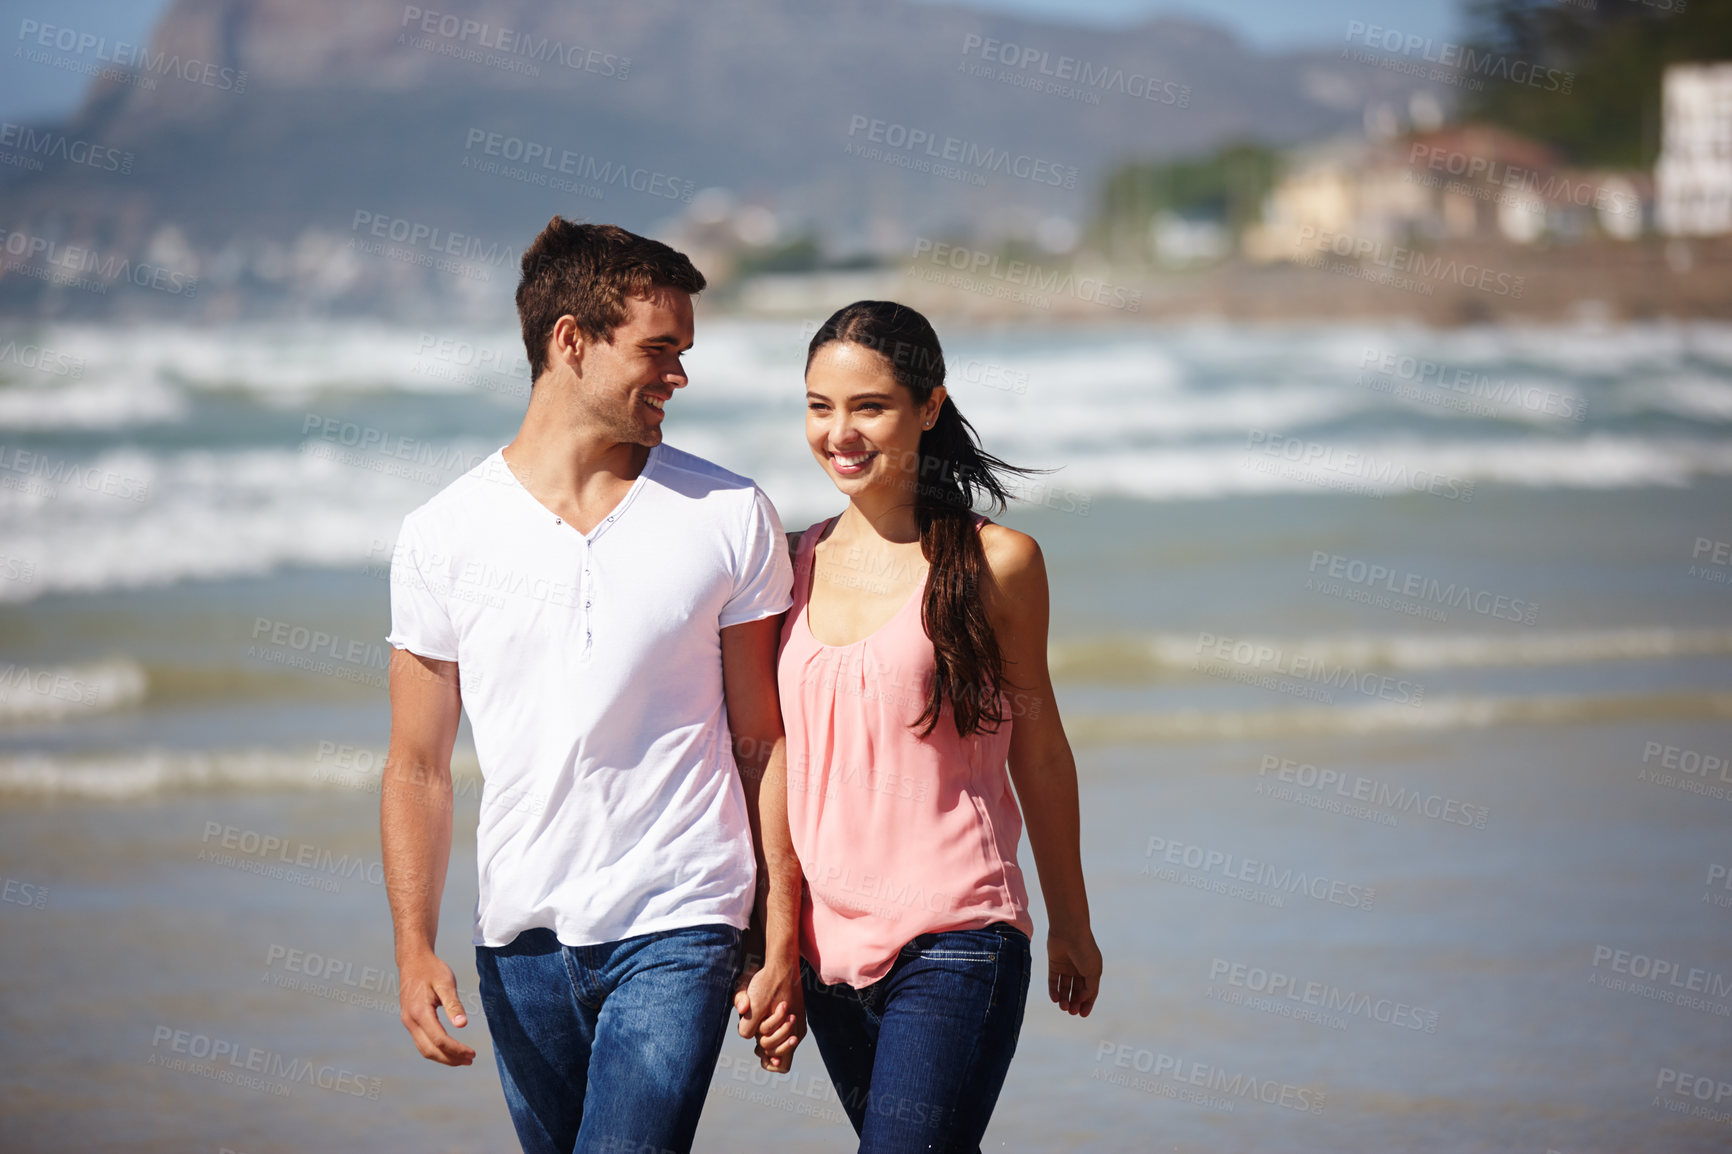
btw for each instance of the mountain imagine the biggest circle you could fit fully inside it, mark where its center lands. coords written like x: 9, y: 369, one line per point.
x: 267, y: 138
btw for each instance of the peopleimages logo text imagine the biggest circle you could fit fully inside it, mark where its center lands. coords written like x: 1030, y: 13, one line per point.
x: 1035, y: 277
x: 553, y: 159
x: 963, y: 152
x: 134, y: 56
x: 463, y: 32
x: 1463, y: 57
x: 38, y: 143
x: 1085, y: 75
x: 75, y: 261
x: 1400, y: 258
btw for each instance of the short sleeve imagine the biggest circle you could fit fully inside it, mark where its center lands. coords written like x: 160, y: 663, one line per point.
x: 420, y: 619
x: 764, y: 582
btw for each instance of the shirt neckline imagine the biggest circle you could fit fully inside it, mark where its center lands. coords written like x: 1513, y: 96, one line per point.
x: 812, y: 578
x: 606, y: 522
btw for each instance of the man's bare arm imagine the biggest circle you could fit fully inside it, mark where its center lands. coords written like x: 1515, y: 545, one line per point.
x: 415, y: 802
x: 755, y: 720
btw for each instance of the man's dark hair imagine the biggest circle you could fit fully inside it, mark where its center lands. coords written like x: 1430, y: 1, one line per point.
x: 588, y: 271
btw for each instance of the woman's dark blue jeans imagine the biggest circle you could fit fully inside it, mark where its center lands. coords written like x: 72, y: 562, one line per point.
x: 918, y: 1057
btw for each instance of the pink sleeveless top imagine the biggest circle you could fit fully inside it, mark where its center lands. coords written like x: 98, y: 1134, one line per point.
x: 898, y: 835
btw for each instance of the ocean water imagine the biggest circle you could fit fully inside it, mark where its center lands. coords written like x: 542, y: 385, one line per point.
x: 1397, y: 664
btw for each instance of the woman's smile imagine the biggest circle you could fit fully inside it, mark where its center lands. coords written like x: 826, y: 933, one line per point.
x: 851, y: 464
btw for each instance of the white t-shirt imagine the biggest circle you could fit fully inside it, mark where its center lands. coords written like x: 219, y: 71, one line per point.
x: 591, y: 672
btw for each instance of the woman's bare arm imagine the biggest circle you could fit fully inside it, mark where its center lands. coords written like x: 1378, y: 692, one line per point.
x: 1041, y: 765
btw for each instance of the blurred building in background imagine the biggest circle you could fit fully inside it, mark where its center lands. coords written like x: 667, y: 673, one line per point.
x: 1460, y: 182
x: 1694, y: 172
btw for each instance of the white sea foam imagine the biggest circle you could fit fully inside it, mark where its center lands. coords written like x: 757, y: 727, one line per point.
x: 121, y: 776
x: 1055, y: 417
x: 288, y: 360
x: 208, y: 514
x: 49, y: 692
x: 1440, y: 714
x: 104, y: 404
x: 1599, y: 461
x: 117, y: 777
x: 157, y: 374
x: 129, y: 518
x: 1120, y: 657
x: 1694, y: 395
x: 149, y: 374
x: 1164, y: 413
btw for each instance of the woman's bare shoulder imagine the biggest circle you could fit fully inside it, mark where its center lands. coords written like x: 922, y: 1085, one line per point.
x: 1017, y: 592
x: 1010, y: 553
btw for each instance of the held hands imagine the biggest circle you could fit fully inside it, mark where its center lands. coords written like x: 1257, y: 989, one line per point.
x: 424, y: 984
x: 1073, y: 970
x: 773, y: 1009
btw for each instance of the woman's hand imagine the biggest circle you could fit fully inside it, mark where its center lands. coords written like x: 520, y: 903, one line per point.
x: 772, y: 1008
x: 1073, y: 970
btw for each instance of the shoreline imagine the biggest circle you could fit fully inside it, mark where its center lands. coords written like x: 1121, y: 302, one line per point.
x: 1447, y: 286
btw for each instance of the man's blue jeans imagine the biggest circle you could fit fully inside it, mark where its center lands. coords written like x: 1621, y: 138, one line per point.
x: 610, y: 1047
x: 918, y: 1057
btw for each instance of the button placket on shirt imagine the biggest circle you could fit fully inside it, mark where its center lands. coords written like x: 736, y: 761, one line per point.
x: 585, y: 585
x: 586, y: 589
x: 588, y: 582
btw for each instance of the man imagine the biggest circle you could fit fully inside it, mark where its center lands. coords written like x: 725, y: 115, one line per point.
x: 606, y: 609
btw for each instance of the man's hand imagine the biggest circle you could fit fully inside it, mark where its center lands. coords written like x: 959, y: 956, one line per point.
x: 1073, y: 971
x: 772, y: 1009
x: 425, y: 984
x: 415, y: 802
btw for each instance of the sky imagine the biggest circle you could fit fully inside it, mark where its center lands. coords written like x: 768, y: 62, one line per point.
x: 38, y: 92
x: 30, y: 91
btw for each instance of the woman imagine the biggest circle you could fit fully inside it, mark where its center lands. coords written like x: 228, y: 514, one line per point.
x: 913, y: 667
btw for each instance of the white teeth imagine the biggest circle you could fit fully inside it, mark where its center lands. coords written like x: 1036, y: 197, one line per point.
x: 850, y: 462
x: 652, y: 402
